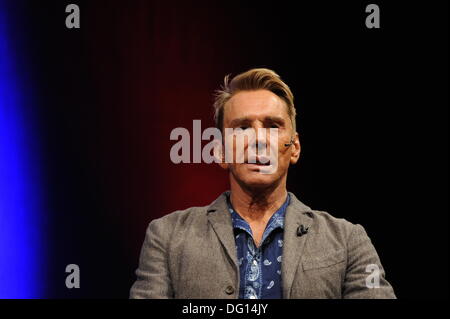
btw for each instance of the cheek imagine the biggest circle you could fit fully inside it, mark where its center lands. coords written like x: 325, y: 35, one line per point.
x: 284, y: 158
x: 284, y: 152
x: 229, y: 151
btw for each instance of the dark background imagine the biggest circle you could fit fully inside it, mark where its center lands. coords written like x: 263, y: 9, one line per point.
x: 372, y: 108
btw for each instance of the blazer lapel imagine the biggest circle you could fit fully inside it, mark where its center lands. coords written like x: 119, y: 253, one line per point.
x: 296, y: 214
x: 220, y: 219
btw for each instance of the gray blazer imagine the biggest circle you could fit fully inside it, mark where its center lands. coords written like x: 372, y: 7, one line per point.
x: 192, y: 254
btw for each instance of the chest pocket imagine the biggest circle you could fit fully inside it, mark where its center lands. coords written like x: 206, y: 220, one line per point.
x: 323, y: 259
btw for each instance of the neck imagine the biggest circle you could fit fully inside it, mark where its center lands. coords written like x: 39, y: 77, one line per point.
x: 257, y: 204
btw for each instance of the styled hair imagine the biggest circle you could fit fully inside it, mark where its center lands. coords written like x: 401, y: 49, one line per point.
x: 252, y: 80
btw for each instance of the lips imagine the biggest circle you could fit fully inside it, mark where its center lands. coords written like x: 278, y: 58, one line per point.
x: 260, y: 160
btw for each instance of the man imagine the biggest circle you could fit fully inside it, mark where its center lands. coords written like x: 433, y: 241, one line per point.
x: 258, y: 240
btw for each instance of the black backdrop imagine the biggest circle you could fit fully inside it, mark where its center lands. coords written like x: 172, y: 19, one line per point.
x: 372, y: 108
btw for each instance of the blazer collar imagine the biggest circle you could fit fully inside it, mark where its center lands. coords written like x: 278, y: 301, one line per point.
x: 220, y: 219
x: 297, y: 214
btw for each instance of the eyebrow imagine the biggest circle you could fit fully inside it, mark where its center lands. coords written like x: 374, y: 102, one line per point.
x: 246, y: 120
x: 275, y: 119
x: 240, y: 121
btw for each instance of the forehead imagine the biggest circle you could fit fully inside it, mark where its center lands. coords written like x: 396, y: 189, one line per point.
x: 255, y: 104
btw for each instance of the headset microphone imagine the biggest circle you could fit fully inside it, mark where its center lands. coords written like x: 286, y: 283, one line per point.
x: 289, y: 144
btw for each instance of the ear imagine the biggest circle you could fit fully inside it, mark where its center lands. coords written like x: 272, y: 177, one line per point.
x: 219, y: 154
x: 296, y: 149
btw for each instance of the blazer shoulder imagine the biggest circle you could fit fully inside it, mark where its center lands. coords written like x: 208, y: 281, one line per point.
x: 327, y: 223
x: 323, y: 222
x: 180, y: 217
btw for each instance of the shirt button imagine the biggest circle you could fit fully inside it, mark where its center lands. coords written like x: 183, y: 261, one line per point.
x: 229, y: 290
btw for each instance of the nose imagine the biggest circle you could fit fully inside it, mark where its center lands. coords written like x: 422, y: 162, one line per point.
x: 259, y: 145
x: 260, y: 141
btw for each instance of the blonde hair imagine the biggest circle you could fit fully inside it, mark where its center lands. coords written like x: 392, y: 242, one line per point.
x: 254, y: 79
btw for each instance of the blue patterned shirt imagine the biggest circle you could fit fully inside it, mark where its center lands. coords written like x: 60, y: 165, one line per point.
x: 259, y: 267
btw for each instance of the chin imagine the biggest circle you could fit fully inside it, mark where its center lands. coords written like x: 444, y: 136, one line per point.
x: 257, y: 180
x: 257, y: 184
x: 251, y: 177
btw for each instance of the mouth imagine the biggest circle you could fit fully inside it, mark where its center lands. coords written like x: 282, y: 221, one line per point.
x: 260, y: 161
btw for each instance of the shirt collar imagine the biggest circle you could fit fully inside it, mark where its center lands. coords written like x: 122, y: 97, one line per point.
x: 276, y: 221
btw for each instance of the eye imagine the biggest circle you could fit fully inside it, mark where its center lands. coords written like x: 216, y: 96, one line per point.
x: 243, y: 127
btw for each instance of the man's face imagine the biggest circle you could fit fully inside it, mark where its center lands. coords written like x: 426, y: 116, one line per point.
x: 255, y: 110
